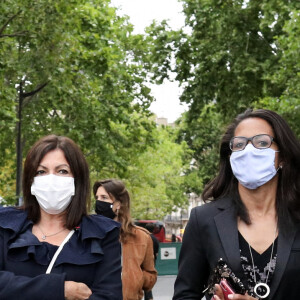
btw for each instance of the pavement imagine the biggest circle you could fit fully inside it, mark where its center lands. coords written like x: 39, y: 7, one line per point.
x: 164, y: 287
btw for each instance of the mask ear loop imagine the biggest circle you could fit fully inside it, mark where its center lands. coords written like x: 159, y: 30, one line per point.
x: 117, y: 210
x: 280, y: 166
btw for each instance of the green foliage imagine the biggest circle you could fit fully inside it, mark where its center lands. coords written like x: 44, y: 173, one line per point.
x: 204, y: 142
x: 156, y: 177
x: 226, y: 57
x: 233, y: 55
x: 288, y: 74
x: 287, y: 106
x: 76, y: 69
x: 80, y: 50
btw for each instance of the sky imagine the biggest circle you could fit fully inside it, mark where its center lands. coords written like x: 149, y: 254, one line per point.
x: 141, y: 13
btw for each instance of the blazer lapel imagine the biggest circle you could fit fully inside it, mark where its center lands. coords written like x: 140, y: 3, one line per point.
x: 226, y: 223
x: 283, y: 252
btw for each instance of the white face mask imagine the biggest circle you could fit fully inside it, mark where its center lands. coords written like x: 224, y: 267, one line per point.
x: 53, y: 192
x: 253, y: 167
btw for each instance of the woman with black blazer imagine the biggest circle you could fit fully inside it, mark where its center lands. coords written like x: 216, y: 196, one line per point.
x: 252, y: 220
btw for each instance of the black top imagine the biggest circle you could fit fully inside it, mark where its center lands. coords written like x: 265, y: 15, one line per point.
x: 262, y: 264
x: 155, y: 246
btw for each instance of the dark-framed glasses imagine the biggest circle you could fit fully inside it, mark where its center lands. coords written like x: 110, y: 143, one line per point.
x: 260, y: 141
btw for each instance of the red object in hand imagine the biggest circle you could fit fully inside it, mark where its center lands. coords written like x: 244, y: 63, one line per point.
x: 226, y: 288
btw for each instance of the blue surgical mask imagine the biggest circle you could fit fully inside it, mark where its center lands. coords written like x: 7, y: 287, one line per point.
x: 253, y: 167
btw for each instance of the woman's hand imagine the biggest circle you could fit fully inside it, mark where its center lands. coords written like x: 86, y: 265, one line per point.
x: 76, y: 291
x: 219, y: 295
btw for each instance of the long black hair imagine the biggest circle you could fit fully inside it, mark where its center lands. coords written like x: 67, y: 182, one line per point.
x: 288, y: 191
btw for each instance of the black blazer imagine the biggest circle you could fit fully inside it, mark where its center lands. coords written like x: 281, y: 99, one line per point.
x: 212, y: 233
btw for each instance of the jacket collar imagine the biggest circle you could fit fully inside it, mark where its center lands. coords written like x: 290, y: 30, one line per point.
x: 284, y: 247
x: 87, y: 239
x: 13, y: 219
x: 226, y: 224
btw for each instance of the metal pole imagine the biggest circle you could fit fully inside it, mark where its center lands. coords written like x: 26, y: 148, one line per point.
x: 19, y: 147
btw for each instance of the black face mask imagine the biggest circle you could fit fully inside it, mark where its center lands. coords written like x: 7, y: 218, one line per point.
x: 105, y: 209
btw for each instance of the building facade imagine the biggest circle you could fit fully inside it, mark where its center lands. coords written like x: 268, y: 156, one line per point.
x: 175, y: 223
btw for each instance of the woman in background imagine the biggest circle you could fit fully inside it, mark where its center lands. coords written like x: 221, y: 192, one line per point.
x: 138, y: 271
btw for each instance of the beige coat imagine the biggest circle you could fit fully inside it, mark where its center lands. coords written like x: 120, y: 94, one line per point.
x: 138, y: 272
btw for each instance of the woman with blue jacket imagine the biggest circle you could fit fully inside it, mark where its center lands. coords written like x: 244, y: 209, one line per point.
x: 50, y: 248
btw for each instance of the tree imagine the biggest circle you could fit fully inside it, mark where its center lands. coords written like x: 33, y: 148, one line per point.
x: 204, y: 141
x: 156, y: 177
x: 288, y: 104
x: 234, y: 55
x: 75, y: 69
x: 28, y: 41
x: 72, y: 68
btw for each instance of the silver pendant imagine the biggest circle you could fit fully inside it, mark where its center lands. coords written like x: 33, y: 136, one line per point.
x: 43, y: 237
x: 265, y: 287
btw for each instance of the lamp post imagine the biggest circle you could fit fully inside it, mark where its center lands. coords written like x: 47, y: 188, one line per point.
x: 19, y: 144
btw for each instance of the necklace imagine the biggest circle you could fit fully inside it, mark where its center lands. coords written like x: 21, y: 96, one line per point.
x: 262, y: 285
x: 44, y: 236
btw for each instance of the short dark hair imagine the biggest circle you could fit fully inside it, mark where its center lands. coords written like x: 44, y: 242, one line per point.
x: 288, y: 192
x: 81, y: 200
x: 117, y: 190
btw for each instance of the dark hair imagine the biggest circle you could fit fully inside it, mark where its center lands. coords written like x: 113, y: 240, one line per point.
x: 150, y: 227
x: 117, y: 190
x: 288, y: 191
x: 81, y: 200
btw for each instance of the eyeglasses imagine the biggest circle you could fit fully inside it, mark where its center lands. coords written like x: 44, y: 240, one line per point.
x: 260, y: 141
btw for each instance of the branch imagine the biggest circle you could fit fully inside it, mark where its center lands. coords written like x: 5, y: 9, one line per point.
x: 7, y: 22
x: 28, y: 94
x: 21, y: 33
x: 55, y: 113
